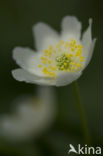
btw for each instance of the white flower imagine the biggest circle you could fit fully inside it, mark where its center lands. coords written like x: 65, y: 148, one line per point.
x: 61, y: 58
x: 31, y: 117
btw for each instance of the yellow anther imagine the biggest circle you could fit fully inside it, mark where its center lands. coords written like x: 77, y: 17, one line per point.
x: 43, y: 58
x: 79, y: 46
x: 50, y: 47
x: 45, y: 54
x: 39, y: 65
x: 72, y: 68
x: 75, y: 68
x: 65, y: 64
x: 66, y: 45
x: 49, y: 61
x: 45, y: 71
x: 70, y: 45
x: 48, y: 73
x: 52, y: 74
x: 72, y: 63
x: 44, y: 62
x: 58, y: 45
x: 62, y: 67
x: 79, y: 65
x: 54, y: 51
x: 72, y: 49
x: 45, y: 51
x: 74, y: 41
x: 59, y: 49
x: 61, y: 42
x: 78, y: 53
x: 81, y: 58
x: 52, y: 68
x: 49, y: 53
x: 69, y: 56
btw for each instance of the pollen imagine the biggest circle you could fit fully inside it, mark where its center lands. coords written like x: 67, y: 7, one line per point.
x: 81, y: 58
x: 72, y: 63
x: 45, y: 71
x: 49, y: 61
x: 69, y: 56
x: 65, y: 56
x: 79, y: 65
x: 39, y: 65
x: 50, y: 47
x: 52, y: 68
x: 45, y: 51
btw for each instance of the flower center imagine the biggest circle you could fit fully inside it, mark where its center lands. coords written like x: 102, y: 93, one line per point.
x: 65, y: 56
x: 63, y: 62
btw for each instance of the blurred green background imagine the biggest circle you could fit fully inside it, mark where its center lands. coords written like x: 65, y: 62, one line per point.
x: 16, y: 20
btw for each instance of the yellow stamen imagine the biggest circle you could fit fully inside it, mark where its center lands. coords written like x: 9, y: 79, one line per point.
x: 79, y: 65
x: 65, y: 56
x: 39, y: 65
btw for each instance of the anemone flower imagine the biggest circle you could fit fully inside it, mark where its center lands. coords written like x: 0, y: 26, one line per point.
x: 59, y: 59
x: 31, y: 116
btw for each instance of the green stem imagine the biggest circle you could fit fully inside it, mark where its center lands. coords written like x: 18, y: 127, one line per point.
x: 82, y: 113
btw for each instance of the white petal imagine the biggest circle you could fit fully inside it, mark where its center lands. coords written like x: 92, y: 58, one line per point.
x: 71, y: 27
x: 88, y: 44
x: 27, y: 59
x: 22, y: 75
x: 88, y: 58
x: 44, y: 36
x: 65, y: 78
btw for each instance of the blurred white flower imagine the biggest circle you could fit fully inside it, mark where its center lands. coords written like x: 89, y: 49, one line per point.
x: 30, y: 117
x: 60, y: 59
